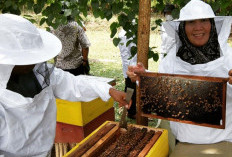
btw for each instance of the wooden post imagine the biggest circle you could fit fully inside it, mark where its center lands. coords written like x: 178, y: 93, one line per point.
x: 143, y: 45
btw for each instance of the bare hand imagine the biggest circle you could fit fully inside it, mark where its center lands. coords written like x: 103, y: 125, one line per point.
x: 120, y: 97
x: 230, y: 76
x: 132, y: 69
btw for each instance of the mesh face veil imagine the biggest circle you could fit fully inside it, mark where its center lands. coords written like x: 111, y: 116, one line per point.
x: 45, y: 70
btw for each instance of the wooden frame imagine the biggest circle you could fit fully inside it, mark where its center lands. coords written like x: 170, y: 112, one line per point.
x: 177, y: 98
x: 108, y: 132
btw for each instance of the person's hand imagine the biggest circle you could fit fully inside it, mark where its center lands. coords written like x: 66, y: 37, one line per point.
x: 120, y: 97
x: 132, y: 69
x: 85, y: 63
x: 230, y: 76
x: 86, y: 67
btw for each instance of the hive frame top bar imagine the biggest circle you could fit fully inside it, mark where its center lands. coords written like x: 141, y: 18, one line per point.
x: 194, y: 77
x: 222, y: 84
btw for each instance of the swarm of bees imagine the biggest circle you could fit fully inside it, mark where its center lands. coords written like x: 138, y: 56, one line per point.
x: 183, y: 99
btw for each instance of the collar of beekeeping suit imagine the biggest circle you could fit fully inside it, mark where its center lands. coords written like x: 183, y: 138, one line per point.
x: 196, y: 9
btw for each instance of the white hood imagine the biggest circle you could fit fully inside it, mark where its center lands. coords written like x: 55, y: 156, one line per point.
x: 223, y: 26
x: 196, y: 9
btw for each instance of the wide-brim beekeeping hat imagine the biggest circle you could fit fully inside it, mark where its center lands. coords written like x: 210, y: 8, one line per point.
x: 22, y: 43
x: 196, y: 9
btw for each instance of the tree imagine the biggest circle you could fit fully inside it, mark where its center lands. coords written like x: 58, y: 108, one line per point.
x: 125, y: 10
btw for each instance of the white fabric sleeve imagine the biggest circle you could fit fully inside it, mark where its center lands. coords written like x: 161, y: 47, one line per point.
x: 125, y: 54
x: 74, y: 88
x: 3, y: 130
x: 2, y: 124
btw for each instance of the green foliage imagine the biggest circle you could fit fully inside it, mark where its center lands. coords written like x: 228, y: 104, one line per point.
x: 125, y: 10
x: 113, y: 28
x: 158, y: 22
x: 116, y: 41
x: 11, y: 6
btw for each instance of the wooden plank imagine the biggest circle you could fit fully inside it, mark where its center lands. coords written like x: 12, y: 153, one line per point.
x: 184, y: 121
x: 101, y: 142
x: 57, y: 150
x: 92, y: 140
x: 147, y: 148
x: 61, y: 150
x: 147, y: 127
x: 193, y: 77
x: 65, y: 147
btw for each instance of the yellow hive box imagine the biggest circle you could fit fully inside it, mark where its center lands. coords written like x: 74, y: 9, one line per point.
x: 158, y: 149
x: 81, y: 113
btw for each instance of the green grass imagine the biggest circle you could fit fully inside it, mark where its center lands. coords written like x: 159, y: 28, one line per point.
x: 105, y: 58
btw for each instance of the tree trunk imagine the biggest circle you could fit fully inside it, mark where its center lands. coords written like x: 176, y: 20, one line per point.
x: 143, y: 45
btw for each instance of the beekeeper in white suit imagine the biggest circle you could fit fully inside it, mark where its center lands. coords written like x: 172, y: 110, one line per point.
x: 199, y: 47
x: 212, y: 58
x: 125, y: 52
x: 29, y: 86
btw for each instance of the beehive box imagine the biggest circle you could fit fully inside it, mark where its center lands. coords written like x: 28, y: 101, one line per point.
x: 188, y: 99
x: 67, y: 133
x: 110, y: 140
x: 81, y: 113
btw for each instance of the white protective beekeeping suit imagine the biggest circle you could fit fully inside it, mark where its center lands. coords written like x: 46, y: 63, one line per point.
x: 197, y: 9
x: 125, y: 52
x: 27, y: 125
x: 166, y: 43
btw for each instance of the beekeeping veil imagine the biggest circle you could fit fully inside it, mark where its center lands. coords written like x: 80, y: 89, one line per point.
x: 197, y: 9
x: 21, y: 43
